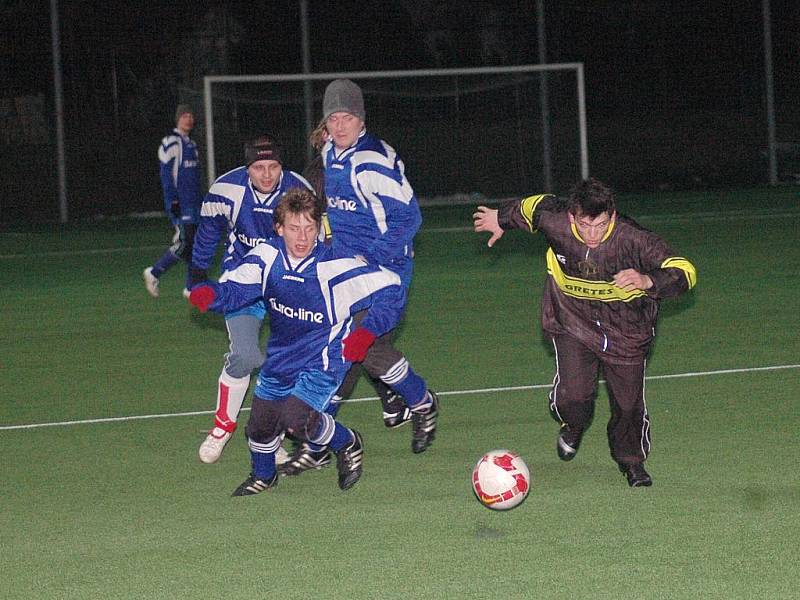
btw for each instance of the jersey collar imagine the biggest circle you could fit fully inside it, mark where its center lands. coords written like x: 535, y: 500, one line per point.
x: 262, y: 198
x: 612, y: 224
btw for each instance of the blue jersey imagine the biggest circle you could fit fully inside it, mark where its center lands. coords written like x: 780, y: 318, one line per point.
x: 180, y: 176
x: 233, y: 206
x: 372, y: 209
x: 311, y: 304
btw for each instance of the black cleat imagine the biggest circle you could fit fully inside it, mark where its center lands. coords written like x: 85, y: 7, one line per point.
x: 636, y: 475
x: 424, y: 424
x: 568, y: 442
x: 395, y: 412
x: 305, y: 459
x: 252, y: 486
x: 349, y: 462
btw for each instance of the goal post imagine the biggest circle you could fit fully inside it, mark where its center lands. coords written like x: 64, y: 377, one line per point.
x: 437, y: 119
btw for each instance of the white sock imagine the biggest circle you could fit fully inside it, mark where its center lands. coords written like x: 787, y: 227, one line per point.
x: 231, y: 393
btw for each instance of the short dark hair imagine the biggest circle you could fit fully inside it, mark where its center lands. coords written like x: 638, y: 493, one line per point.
x: 591, y: 198
x: 297, y: 201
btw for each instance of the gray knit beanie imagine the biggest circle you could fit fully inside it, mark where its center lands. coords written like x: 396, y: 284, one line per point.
x: 182, y: 109
x: 342, y: 95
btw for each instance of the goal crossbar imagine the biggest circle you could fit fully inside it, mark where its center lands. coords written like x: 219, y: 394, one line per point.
x: 209, y: 80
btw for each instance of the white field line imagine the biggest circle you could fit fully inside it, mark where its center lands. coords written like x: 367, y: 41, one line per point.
x: 372, y: 399
x: 665, y: 218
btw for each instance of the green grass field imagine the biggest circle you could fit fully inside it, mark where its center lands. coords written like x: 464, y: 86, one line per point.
x: 106, y: 394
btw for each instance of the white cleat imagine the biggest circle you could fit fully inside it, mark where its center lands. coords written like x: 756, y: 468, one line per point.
x: 212, y: 447
x: 186, y: 293
x: 150, y: 282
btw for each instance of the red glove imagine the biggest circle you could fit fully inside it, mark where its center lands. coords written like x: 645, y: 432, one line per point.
x: 202, y: 296
x: 355, y: 345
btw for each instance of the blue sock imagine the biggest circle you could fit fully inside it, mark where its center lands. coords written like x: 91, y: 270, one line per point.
x: 424, y: 406
x: 412, y: 388
x: 263, y: 464
x: 342, y: 436
x: 167, y: 260
x: 332, y: 409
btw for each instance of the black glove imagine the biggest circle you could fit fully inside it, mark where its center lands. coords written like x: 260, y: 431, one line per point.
x: 175, y: 209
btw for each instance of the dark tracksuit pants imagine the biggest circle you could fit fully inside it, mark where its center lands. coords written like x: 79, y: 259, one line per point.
x: 381, y: 356
x: 574, y: 392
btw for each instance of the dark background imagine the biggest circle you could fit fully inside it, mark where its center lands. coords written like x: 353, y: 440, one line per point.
x: 675, y: 88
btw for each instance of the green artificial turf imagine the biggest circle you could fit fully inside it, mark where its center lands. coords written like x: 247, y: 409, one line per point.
x: 123, y: 508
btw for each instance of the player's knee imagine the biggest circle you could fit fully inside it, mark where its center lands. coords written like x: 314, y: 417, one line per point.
x: 185, y: 242
x: 263, y: 422
x: 573, y: 392
x: 312, y: 425
x: 176, y: 248
x: 241, y: 363
x: 301, y: 419
x: 382, y: 357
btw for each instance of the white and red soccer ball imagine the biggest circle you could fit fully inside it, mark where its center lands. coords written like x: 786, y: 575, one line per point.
x: 501, y: 479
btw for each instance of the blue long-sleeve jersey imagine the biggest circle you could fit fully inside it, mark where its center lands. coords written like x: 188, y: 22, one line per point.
x: 372, y: 209
x: 311, y: 304
x: 233, y: 206
x: 180, y: 176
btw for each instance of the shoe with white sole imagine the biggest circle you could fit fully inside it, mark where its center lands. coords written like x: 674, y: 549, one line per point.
x: 424, y: 424
x: 254, y: 485
x: 350, y: 462
x: 150, y: 282
x: 395, y: 412
x: 212, y: 447
x: 305, y: 458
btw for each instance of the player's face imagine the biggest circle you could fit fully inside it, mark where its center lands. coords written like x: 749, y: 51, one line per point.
x: 265, y: 175
x: 592, y: 229
x: 186, y: 123
x: 344, y: 129
x: 299, y: 231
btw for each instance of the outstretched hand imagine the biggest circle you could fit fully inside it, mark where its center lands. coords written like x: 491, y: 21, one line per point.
x: 485, y: 219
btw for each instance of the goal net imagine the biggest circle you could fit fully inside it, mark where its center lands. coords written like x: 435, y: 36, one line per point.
x: 462, y: 133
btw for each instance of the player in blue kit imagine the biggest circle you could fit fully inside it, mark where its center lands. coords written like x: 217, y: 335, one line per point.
x: 312, y: 294
x: 373, y: 213
x: 180, y: 183
x: 240, y: 207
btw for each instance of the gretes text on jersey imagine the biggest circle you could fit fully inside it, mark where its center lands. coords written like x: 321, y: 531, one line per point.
x: 300, y: 314
x: 342, y: 204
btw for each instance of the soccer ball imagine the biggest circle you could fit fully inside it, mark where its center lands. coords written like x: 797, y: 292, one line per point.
x: 501, y: 479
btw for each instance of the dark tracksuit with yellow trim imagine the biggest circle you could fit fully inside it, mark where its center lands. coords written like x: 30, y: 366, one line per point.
x: 592, y: 322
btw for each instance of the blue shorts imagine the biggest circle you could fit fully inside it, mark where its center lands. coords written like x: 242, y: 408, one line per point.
x: 315, y: 388
x: 257, y: 309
